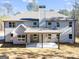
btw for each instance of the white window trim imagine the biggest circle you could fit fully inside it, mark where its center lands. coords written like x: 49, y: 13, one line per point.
x: 12, y: 25
x: 21, y: 38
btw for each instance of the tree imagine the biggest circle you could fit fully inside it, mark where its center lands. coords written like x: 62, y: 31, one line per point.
x: 8, y: 8
x: 64, y: 11
x: 75, y: 11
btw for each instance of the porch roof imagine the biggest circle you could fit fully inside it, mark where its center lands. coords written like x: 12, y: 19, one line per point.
x: 43, y: 31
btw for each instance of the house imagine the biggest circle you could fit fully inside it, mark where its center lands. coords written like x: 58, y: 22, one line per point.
x: 38, y: 27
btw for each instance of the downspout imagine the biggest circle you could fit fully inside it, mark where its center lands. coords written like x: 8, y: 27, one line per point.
x: 4, y: 31
x: 74, y: 31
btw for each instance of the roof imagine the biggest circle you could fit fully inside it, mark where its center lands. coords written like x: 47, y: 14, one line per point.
x: 32, y: 15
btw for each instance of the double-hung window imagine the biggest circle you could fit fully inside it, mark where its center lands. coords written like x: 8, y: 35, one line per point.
x: 58, y: 25
x: 35, y: 24
x: 21, y: 37
x: 11, y: 24
x: 70, y: 36
x: 49, y: 36
x: 49, y: 23
x: 70, y: 24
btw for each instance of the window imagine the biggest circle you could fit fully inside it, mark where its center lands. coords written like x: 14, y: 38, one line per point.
x: 49, y: 36
x: 58, y: 36
x: 35, y: 36
x: 21, y: 37
x: 58, y: 25
x: 70, y: 24
x: 70, y: 36
x: 12, y: 24
x: 49, y: 23
x: 34, y: 23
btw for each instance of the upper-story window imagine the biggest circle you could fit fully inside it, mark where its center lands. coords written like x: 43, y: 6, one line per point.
x: 70, y: 24
x: 49, y: 23
x: 58, y: 25
x: 12, y: 24
x: 34, y: 23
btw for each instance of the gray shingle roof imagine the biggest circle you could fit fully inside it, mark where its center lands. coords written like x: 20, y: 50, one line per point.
x: 48, y: 14
x: 36, y: 15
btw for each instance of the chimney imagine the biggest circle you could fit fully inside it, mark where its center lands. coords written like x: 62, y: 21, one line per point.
x: 42, y: 11
x: 42, y: 15
x: 42, y: 8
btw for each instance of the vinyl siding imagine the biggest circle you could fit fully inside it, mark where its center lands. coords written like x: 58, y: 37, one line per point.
x: 64, y: 27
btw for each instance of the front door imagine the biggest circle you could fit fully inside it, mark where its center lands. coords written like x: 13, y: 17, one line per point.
x: 34, y: 38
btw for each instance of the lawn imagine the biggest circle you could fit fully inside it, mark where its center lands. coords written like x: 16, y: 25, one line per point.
x: 67, y: 51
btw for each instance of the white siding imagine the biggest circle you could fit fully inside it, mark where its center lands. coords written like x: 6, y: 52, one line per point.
x: 64, y: 27
x: 42, y: 23
x: 7, y: 34
x: 52, y: 26
x: 8, y: 30
x: 28, y: 23
x: 66, y: 30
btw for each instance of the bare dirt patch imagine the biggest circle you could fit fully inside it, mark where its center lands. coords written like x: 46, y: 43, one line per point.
x: 67, y: 51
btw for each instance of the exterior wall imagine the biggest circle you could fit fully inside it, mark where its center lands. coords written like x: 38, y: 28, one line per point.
x: 27, y: 23
x: 44, y: 40
x: 52, y: 26
x: 8, y: 30
x: 65, y: 29
x: 16, y: 41
x: 7, y: 34
x: 64, y: 36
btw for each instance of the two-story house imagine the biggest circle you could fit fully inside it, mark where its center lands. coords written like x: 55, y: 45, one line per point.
x: 38, y: 27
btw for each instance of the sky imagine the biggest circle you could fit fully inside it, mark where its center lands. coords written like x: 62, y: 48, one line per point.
x: 20, y: 5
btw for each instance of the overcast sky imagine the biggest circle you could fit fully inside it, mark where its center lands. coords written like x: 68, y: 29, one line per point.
x: 20, y: 5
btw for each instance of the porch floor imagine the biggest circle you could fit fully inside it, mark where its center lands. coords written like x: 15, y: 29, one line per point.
x: 42, y: 45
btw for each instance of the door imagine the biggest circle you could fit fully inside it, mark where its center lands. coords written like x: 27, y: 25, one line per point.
x: 34, y: 38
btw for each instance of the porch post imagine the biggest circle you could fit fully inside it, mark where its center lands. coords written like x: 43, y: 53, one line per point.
x: 58, y: 37
x: 28, y: 38
x: 42, y: 39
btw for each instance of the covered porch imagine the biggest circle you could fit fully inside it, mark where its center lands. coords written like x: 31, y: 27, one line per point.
x: 42, y: 39
x: 35, y: 36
